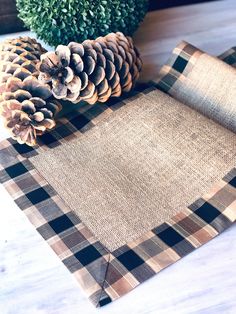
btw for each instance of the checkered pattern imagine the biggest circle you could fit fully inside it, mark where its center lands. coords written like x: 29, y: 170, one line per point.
x: 139, y: 260
x: 178, y: 66
x: 71, y: 240
x: 181, y: 62
x: 105, y: 276
x: 229, y: 56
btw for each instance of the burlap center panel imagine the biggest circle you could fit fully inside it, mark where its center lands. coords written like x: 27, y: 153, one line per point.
x: 138, y: 167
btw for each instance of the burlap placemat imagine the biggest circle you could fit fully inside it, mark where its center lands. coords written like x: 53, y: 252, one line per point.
x: 148, y: 171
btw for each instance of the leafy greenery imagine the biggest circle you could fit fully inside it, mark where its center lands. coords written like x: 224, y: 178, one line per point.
x: 59, y: 22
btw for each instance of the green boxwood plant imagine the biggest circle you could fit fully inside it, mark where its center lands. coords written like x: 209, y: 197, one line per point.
x: 59, y: 22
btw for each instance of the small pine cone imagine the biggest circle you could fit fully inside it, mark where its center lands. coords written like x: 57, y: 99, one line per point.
x: 92, y: 71
x: 18, y: 57
x: 26, y: 104
x: 27, y: 109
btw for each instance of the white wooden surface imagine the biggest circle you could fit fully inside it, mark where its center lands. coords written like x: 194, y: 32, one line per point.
x: 34, y: 281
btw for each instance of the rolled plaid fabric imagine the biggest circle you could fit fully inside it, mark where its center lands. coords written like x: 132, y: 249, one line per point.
x: 204, y: 83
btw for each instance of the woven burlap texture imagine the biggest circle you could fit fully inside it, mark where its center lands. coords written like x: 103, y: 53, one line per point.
x: 139, y: 166
x: 210, y: 88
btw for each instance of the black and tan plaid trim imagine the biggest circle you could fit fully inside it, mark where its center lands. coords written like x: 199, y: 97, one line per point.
x: 229, y: 56
x: 139, y: 260
x: 181, y: 62
x: 71, y: 240
x: 177, y: 67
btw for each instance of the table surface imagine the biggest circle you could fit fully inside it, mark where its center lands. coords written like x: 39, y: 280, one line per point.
x: 32, y: 278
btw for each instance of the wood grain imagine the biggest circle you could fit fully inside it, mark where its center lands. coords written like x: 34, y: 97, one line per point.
x: 9, y: 22
x: 210, y: 26
x: 162, y: 4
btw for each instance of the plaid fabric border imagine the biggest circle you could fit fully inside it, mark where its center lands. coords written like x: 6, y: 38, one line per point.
x: 178, y: 66
x: 71, y: 240
x: 181, y: 62
x: 229, y: 56
x: 139, y: 260
x: 104, y: 275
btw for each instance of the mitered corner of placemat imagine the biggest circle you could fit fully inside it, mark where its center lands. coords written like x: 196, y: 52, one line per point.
x: 138, y: 260
x: 83, y: 255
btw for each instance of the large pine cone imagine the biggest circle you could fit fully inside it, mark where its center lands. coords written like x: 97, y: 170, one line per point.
x: 92, y: 71
x: 26, y: 104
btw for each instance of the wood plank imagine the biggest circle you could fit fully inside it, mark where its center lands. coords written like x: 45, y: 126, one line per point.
x: 161, y: 4
x: 210, y: 26
x: 9, y: 22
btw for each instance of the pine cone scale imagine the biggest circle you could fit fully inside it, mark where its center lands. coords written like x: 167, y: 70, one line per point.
x: 75, y: 84
x: 89, y: 65
x: 76, y: 48
x: 102, y: 87
x: 98, y: 75
x: 77, y: 63
x: 88, y: 91
x: 101, y: 60
x: 84, y: 80
x: 110, y: 70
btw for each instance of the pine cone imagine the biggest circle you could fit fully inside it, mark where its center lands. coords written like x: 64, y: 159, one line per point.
x: 26, y: 44
x: 18, y: 58
x: 26, y: 104
x: 92, y: 71
x: 27, y: 109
